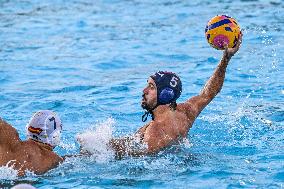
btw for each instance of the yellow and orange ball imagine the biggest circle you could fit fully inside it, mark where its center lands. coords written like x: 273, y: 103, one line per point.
x: 222, y: 30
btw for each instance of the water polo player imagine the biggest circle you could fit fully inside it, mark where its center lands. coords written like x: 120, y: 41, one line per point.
x: 171, y: 121
x: 36, y: 153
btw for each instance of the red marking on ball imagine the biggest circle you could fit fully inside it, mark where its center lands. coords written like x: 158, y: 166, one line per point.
x: 221, y: 41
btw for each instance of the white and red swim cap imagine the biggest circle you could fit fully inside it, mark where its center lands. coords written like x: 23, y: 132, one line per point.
x: 45, y: 126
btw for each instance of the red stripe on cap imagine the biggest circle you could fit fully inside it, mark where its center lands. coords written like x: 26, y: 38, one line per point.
x: 34, y: 130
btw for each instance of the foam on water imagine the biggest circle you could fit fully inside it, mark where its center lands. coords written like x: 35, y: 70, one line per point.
x: 8, y: 173
x: 96, y: 139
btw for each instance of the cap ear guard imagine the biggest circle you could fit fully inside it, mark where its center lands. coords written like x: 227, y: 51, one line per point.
x: 166, y: 95
x: 53, y: 129
x: 54, y: 138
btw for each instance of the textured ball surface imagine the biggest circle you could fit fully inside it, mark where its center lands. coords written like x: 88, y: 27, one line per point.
x: 222, y: 30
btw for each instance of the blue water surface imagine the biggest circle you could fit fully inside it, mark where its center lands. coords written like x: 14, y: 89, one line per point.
x: 89, y: 61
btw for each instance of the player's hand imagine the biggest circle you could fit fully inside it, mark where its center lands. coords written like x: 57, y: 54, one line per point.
x: 229, y: 52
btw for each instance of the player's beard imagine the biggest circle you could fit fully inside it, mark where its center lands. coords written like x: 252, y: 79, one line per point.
x: 144, y: 104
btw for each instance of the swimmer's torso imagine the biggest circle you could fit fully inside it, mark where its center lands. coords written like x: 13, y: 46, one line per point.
x: 167, y: 127
x: 24, y: 155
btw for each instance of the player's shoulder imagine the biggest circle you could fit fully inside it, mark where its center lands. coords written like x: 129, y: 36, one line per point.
x: 8, y: 134
x: 184, y: 106
x: 187, y: 109
x: 154, y: 128
x: 3, y: 123
x: 37, y: 151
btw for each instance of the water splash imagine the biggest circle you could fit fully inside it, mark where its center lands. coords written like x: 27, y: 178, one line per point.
x: 95, y: 141
x: 67, y: 145
x: 186, y: 143
x: 8, y: 173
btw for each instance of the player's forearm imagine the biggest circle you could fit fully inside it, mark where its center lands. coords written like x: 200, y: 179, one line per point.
x: 215, y: 83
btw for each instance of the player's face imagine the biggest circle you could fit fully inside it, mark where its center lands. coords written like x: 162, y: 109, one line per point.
x: 149, y: 97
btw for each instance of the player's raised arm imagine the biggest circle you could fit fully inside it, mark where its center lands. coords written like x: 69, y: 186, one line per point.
x: 215, y: 82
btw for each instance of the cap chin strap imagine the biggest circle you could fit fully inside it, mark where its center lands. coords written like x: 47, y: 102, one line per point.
x: 145, y: 115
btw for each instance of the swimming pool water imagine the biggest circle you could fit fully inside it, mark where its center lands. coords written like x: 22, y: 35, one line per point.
x: 89, y: 61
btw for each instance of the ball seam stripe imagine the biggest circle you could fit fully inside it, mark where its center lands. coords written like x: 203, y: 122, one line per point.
x: 220, y: 23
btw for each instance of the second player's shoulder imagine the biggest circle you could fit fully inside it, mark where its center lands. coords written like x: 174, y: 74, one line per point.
x: 154, y: 128
x: 188, y: 109
x: 35, y: 149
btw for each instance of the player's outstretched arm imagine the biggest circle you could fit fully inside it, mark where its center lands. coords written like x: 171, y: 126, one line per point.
x: 215, y: 83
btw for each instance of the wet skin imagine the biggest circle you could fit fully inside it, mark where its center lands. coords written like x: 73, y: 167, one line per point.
x: 170, y: 125
x: 25, y: 155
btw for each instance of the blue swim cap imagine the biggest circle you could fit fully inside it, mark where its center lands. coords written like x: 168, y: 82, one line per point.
x: 168, y: 85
